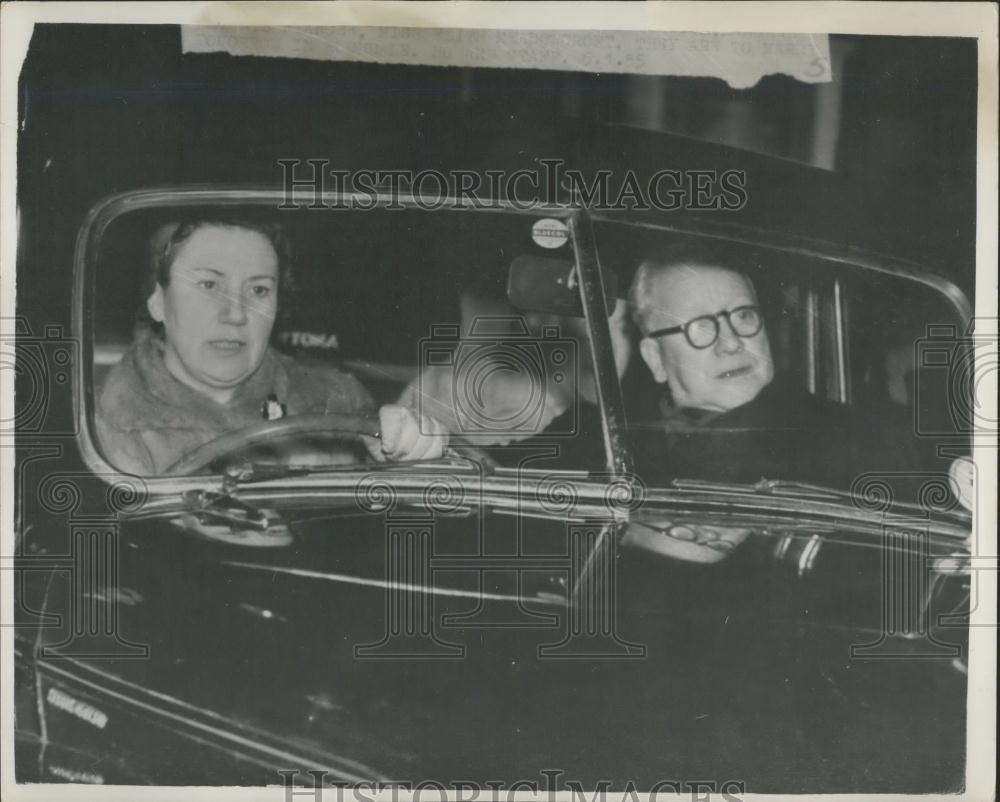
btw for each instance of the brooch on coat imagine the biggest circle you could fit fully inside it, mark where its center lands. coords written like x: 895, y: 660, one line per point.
x: 272, y: 409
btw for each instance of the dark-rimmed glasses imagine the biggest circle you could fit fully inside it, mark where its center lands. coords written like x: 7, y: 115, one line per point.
x: 703, y: 331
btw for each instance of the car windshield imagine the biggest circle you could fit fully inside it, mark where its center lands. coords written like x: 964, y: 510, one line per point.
x: 736, y: 363
x: 350, y: 311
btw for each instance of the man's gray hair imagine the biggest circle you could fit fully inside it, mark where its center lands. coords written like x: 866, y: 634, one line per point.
x: 686, y: 254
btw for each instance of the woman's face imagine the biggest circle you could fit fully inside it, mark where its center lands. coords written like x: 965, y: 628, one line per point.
x: 218, y: 308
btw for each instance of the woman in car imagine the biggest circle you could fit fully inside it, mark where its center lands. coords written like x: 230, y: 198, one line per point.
x: 201, y: 365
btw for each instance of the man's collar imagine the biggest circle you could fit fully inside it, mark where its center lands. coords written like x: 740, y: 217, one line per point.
x: 683, y: 419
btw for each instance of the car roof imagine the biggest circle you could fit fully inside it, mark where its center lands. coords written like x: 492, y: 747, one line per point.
x: 89, y: 127
x: 199, y: 138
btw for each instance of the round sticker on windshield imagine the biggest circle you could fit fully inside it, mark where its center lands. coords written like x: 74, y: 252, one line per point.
x: 549, y: 233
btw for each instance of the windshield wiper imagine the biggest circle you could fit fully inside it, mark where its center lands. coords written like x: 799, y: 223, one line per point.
x: 796, y: 490
x: 769, y: 487
x: 245, y: 472
x: 224, y: 508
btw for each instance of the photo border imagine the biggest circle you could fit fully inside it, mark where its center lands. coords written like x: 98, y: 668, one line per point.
x: 977, y: 20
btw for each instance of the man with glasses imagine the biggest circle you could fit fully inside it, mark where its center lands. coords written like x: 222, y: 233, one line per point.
x: 723, y: 415
x: 703, y: 339
x: 703, y: 334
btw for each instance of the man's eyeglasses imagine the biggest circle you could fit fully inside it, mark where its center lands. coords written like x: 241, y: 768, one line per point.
x: 703, y: 331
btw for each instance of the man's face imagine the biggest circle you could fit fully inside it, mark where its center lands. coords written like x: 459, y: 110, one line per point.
x: 728, y: 373
x: 218, y: 308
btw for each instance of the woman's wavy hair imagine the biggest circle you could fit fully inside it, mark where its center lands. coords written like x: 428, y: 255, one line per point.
x: 168, y: 239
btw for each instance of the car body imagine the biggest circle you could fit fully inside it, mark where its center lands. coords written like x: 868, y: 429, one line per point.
x: 458, y: 618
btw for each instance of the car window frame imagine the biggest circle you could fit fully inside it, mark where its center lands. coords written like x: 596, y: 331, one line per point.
x: 89, y: 238
x: 828, y: 337
x: 580, y: 222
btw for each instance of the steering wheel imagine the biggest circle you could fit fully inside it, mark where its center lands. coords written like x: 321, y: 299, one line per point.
x: 341, y: 428
x: 350, y: 429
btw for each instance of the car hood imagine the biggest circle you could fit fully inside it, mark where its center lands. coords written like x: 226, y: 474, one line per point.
x: 302, y: 647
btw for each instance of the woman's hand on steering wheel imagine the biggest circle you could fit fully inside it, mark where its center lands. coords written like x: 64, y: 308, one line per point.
x: 398, y: 435
x: 405, y: 434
